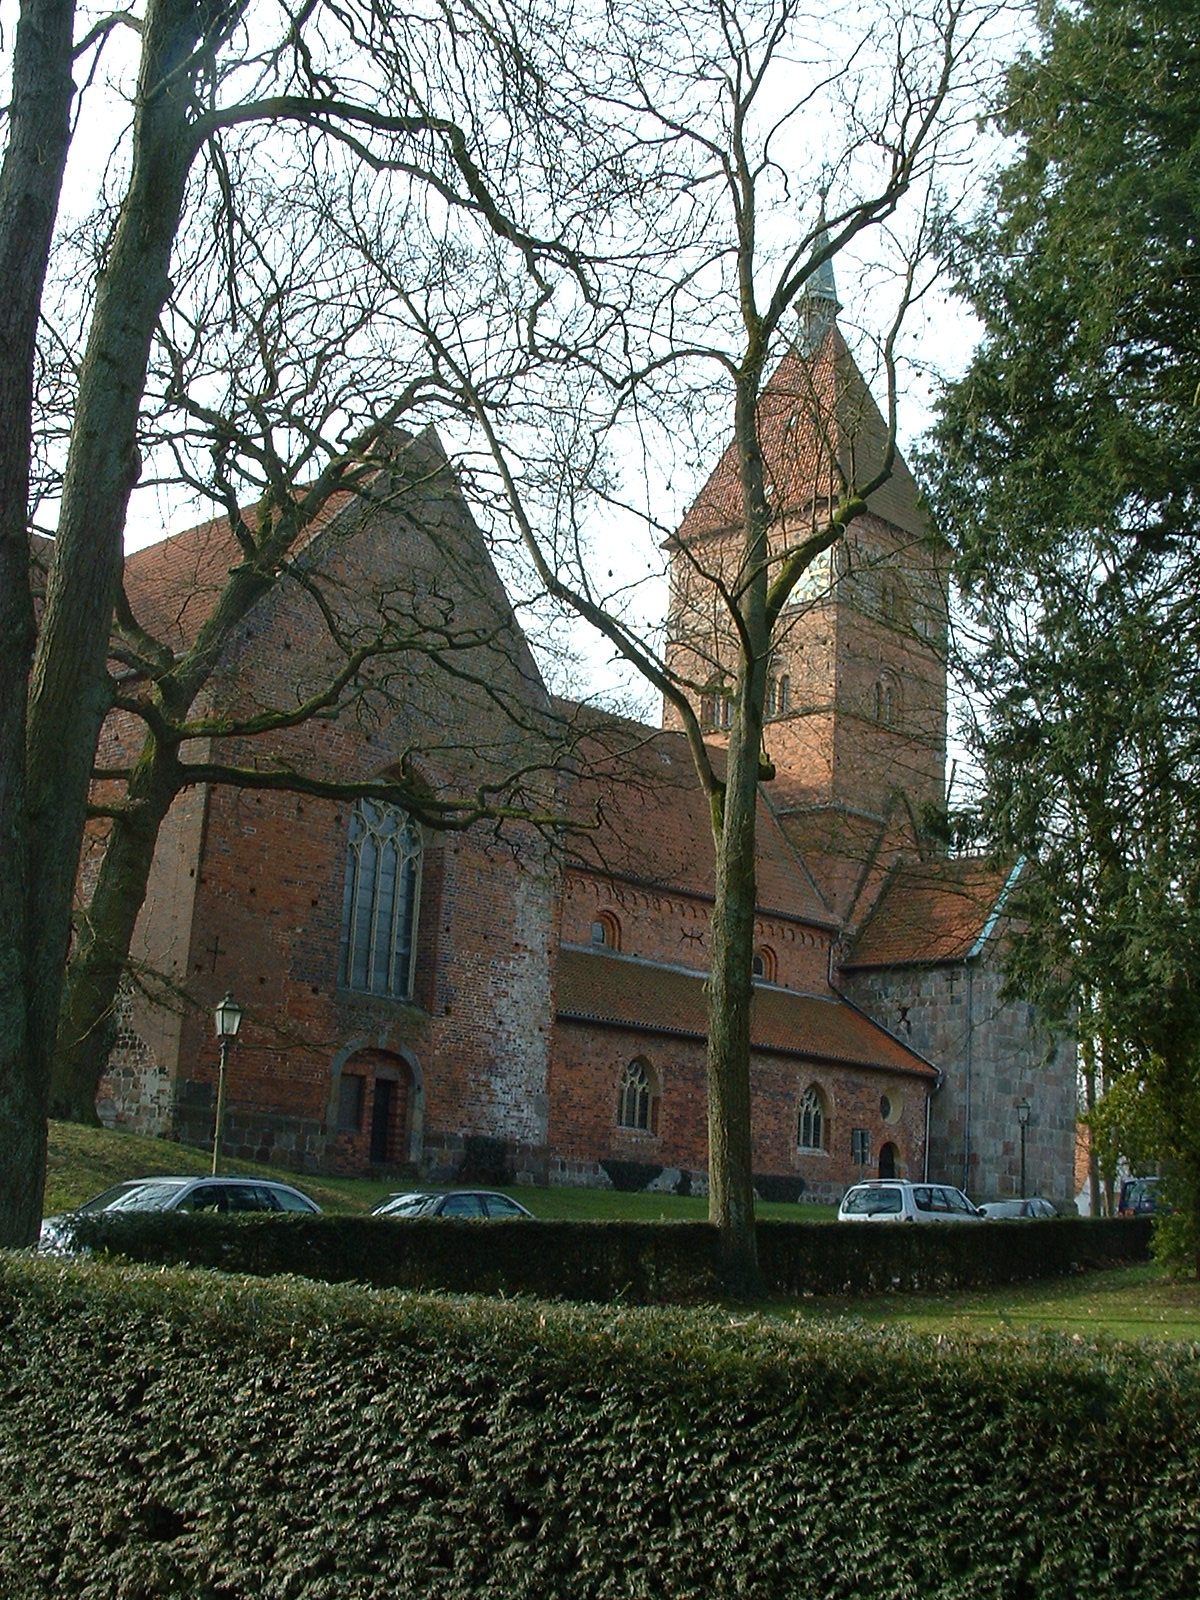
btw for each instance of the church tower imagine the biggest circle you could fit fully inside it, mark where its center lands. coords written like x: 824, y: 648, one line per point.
x: 856, y: 697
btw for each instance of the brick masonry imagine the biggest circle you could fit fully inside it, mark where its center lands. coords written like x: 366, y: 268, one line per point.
x: 247, y: 890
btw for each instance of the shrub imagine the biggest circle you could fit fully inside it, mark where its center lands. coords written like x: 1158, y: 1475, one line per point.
x: 636, y: 1262
x: 194, y: 1434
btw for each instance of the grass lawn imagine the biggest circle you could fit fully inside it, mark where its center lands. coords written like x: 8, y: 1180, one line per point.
x: 1139, y: 1302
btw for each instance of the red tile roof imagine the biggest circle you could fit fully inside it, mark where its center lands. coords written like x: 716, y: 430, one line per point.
x: 818, y: 426
x: 643, y: 816
x: 620, y: 992
x: 931, y: 912
x: 173, y: 585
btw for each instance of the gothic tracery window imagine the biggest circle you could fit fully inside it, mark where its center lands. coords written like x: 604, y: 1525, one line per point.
x: 811, y: 1131
x: 636, y: 1102
x: 379, y: 905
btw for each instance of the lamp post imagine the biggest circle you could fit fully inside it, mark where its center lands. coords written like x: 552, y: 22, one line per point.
x: 1023, y: 1112
x: 228, y: 1018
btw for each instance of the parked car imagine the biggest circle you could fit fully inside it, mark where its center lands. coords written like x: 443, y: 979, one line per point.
x: 450, y: 1203
x: 180, y: 1194
x: 1141, y: 1197
x: 898, y: 1200
x: 1030, y: 1209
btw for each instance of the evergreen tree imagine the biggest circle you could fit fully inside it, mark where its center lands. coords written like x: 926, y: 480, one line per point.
x: 1065, y: 471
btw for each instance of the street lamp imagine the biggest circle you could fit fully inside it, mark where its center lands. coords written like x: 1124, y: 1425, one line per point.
x: 228, y: 1018
x: 1023, y: 1112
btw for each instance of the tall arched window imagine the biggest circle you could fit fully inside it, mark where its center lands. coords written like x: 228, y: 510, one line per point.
x: 811, y: 1132
x: 636, y: 1102
x: 379, y: 905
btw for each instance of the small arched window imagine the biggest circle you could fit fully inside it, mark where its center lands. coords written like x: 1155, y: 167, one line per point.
x: 813, y: 1119
x: 637, y: 1105
x: 606, y: 932
x: 785, y: 694
x: 764, y: 964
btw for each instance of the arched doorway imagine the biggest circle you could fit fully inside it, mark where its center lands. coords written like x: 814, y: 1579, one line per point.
x: 887, y: 1161
x: 375, y: 1101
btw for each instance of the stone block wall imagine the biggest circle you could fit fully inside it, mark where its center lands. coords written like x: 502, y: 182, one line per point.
x: 992, y: 1054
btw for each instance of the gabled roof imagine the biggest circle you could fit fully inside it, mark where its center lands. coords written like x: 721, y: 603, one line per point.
x: 174, y: 584
x: 819, y: 425
x: 933, y: 913
x: 643, y: 817
x: 617, y: 991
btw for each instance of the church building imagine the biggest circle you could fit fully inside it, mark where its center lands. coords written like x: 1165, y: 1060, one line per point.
x: 528, y: 1002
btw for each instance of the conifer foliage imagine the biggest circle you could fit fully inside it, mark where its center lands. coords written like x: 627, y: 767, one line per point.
x: 1066, y: 472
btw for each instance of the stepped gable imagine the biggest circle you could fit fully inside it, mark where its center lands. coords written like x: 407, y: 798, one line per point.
x: 820, y: 427
x: 641, y: 815
x: 621, y: 992
x: 932, y: 913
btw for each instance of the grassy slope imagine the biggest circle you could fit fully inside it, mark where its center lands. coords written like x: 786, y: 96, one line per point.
x: 83, y: 1161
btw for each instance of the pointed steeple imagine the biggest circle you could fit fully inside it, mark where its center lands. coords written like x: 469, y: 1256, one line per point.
x: 817, y: 303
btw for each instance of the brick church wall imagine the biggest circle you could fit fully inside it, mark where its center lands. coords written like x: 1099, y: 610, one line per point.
x: 588, y: 1062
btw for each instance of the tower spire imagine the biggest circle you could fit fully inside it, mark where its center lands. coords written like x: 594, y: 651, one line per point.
x: 817, y: 304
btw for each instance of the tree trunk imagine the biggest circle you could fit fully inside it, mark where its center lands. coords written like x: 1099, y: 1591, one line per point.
x: 730, y: 1154
x: 70, y: 691
x: 101, y: 953
x: 30, y: 182
x: 731, y: 978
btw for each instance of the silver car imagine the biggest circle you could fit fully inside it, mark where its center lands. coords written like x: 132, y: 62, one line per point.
x: 180, y: 1194
x: 451, y: 1203
x: 898, y: 1200
x: 1031, y: 1209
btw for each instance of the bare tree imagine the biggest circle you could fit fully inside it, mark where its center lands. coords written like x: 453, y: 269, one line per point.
x: 432, y: 97
x: 689, y: 325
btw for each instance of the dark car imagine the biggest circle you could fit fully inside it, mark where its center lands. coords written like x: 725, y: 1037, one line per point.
x: 1141, y: 1197
x: 450, y: 1203
x: 180, y: 1194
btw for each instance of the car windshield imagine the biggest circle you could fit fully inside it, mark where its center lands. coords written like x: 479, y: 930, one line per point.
x: 406, y: 1205
x: 152, y: 1195
x: 870, y: 1202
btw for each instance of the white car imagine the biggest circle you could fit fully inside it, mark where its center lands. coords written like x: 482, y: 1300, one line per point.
x: 898, y: 1200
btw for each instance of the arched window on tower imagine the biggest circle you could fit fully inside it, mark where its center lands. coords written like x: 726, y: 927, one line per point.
x: 887, y: 700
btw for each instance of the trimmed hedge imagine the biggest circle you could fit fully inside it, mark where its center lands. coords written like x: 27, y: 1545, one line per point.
x: 639, y: 1262
x: 191, y: 1434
